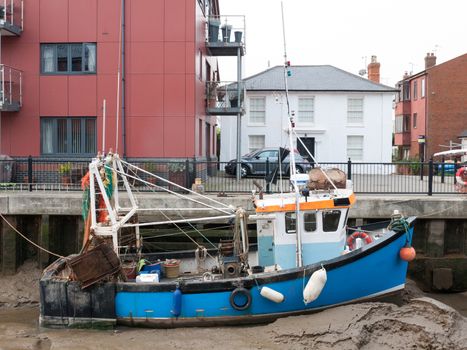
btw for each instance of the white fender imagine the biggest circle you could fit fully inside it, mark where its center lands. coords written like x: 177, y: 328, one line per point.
x: 314, y: 286
x: 272, y: 295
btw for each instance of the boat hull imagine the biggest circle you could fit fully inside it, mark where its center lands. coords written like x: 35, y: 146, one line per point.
x: 371, y: 272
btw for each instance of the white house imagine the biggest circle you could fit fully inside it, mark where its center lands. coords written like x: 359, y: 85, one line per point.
x: 338, y: 115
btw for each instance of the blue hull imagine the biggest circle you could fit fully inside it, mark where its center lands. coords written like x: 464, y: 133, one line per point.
x: 367, y: 273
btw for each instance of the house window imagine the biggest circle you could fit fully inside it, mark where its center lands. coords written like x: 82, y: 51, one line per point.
x: 406, y: 123
x: 406, y: 153
x: 290, y: 222
x: 306, y: 109
x: 79, y: 58
x: 406, y: 91
x: 355, y: 148
x: 255, y: 142
x: 415, y: 120
x: 68, y: 136
x: 423, y: 88
x: 257, y: 110
x: 399, y: 124
x: 331, y: 220
x: 309, y: 220
x: 355, y: 110
x: 415, y: 89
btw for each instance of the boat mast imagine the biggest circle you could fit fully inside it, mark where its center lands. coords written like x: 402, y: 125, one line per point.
x: 292, y: 171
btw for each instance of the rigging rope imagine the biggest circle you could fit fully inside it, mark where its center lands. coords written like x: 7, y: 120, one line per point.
x: 27, y: 239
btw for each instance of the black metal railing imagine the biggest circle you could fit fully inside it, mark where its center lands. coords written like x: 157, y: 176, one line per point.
x: 30, y: 174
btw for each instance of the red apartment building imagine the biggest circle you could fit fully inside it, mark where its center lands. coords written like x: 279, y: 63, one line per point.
x: 431, y: 108
x: 67, y: 57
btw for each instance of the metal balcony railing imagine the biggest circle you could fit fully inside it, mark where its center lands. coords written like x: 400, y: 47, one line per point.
x: 227, y: 32
x: 11, y: 16
x: 11, y: 96
x: 224, y: 95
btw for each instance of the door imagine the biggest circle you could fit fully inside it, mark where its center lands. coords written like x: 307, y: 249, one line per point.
x: 309, y: 144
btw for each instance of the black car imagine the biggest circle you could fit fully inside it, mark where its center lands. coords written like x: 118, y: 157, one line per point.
x: 254, y: 163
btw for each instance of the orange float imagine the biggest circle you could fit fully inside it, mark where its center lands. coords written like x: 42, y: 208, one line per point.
x: 407, y: 253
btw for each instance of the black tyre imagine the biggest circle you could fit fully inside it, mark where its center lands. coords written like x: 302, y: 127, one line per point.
x: 244, y: 171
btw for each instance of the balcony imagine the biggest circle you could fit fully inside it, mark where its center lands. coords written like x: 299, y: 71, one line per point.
x: 402, y: 139
x: 222, y: 98
x: 10, y: 89
x: 11, y: 17
x: 225, y: 35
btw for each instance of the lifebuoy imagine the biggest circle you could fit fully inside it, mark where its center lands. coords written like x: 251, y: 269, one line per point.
x: 461, y: 176
x: 240, y: 299
x: 358, y: 234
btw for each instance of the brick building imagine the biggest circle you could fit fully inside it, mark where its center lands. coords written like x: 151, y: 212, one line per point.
x: 70, y: 56
x: 431, y: 108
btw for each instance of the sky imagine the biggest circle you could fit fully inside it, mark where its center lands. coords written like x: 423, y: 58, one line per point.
x: 346, y: 33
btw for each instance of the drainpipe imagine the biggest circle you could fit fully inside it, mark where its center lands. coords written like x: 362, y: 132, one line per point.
x: 123, y: 81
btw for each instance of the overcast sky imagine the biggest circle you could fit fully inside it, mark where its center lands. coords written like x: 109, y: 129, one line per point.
x: 346, y: 33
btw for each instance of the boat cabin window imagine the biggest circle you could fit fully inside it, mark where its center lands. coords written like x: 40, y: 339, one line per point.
x: 309, y: 220
x: 290, y: 223
x: 331, y: 220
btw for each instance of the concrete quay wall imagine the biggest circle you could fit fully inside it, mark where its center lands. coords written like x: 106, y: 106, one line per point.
x: 366, y: 207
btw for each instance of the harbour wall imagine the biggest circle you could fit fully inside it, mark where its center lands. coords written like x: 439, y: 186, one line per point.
x: 53, y: 220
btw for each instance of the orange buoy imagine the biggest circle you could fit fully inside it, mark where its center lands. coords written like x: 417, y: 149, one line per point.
x: 407, y: 253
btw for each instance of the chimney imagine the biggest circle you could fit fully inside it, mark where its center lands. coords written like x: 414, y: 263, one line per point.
x: 373, y: 70
x: 430, y: 60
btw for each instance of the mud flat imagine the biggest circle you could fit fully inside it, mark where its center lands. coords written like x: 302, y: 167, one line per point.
x: 416, y: 322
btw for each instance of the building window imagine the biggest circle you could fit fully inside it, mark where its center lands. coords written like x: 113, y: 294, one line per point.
x: 406, y: 123
x: 255, y: 142
x: 415, y: 120
x: 306, y: 109
x: 355, y: 148
x: 355, y: 110
x: 309, y: 221
x: 406, y: 153
x: 406, y: 91
x: 290, y: 222
x: 79, y: 58
x: 68, y: 136
x: 257, y: 110
x: 423, y: 88
x: 415, y: 90
x: 399, y: 124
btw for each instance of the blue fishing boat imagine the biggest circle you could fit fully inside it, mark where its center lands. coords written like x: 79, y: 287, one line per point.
x: 307, y: 260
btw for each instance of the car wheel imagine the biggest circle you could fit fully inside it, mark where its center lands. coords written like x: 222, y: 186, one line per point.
x: 244, y: 171
x: 298, y: 170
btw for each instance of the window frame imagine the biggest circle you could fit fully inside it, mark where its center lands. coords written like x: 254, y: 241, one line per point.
x: 305, y: 214
x: 300, y: 110
x: 351, y: 110
x: 423, y: 88
x: 414, y: 120
x: 250, y: 110
x: 69, y: 56
x: 415, y: 89
x: 252, y: 149
x: 290, y: 219
x: 69, y: 135
x: 355, y: 148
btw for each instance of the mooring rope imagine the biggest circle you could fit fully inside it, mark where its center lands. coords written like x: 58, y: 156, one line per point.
x: 27, y: 239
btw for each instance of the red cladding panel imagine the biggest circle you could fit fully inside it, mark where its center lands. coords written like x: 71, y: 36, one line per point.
x: 84, y: 91
x: 145, y: 136
x: 174, y: 128
x: 146, y: 95
x: 174, y: 18
x: 53, y: 21
x: 174, y: 95
x: 83, y: 21
x: 53, y: 96
x: 146, y: 57
x: 147, y: 20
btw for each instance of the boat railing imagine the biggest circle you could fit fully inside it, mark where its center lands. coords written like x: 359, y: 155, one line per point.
x: 217, y: 177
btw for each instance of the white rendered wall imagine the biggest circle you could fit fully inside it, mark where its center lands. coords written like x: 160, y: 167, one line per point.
x: 330, y: 128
